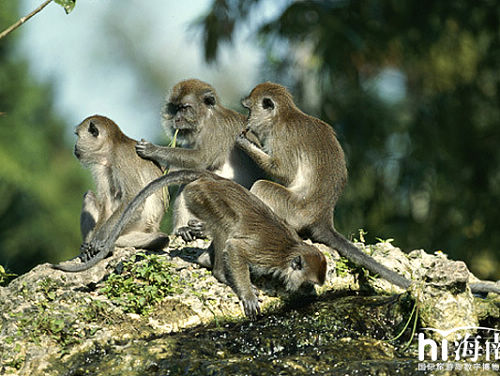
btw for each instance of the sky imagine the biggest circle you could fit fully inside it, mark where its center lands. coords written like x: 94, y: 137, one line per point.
x: 86, y: 56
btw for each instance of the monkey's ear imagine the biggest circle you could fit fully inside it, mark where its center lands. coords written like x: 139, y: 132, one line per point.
x: 93, y: 130
x: 245, y: 102
x: 267, y: 104
x: 209, y: 99
x: 297, y: 263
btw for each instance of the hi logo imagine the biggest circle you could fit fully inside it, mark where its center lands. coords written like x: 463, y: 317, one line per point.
x: 475, y: 348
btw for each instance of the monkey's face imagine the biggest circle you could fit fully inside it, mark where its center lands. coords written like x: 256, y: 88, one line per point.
x: 262, y: 111
x: 91, y: 146
x: 190, y: 105
x: 182, y: 113
x: 309, y: 267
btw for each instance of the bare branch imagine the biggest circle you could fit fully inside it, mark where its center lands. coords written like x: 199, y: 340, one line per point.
x: 23, y: 19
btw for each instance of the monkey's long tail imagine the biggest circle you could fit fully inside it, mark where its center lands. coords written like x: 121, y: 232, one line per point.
x: 173, y: 178
x: 335, y: 240
x: 484, y: 287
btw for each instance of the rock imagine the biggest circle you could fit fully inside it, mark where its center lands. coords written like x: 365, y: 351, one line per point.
x: 92, y: 322
x: 442, y: 293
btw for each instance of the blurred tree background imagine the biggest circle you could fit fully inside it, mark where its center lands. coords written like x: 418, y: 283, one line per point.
x: 40, y: 186
x: 412, y: 90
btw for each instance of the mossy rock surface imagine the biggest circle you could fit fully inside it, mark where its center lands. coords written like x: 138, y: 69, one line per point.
x: 164, y: 315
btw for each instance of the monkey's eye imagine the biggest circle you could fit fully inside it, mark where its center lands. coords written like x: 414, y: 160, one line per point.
x: 267, y: 104
x: 209, y: 100
x: 93, y: 130
x: 171, y: 108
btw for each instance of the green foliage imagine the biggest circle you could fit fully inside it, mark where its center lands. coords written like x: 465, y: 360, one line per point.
x: 342, y: 267
x: 423, y: 166
x: 68, y: 5
x: 57, y: 327
x: 5, y: 277
x: 144, y: 281
x: 41, y: 184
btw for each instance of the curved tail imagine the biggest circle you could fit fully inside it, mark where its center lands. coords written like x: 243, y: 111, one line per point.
x: 484, y: 287
x: 103, y: 247
x: 335, y: 240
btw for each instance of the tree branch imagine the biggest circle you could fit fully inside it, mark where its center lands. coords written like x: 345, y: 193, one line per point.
x: 23, y: 19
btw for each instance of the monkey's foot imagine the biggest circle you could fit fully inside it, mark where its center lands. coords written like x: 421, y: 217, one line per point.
x: 251, y: 307
x: 256, y: 291
x: 92, y: 253
x: 158, y: 243
x: 85, y: 252
x: 97, y: 248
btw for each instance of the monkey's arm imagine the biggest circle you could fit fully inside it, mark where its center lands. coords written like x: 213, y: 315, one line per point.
x: 269, y: 164
x: 241, y: 278
x: 178, y: 157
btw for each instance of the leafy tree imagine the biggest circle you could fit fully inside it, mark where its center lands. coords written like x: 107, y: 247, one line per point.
x: 41, y: 185
x: 424, y: 164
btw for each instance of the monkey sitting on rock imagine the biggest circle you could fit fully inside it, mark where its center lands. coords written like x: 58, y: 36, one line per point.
x: 304, y: 158
x: 206, y: 133
x: 246, y: 234
x: 119, y: 174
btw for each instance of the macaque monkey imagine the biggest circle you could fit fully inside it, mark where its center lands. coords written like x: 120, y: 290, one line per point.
x: 304, y: 158
x: 302, y: 154
x: 206, y: 132
x: 246, y: 234
x: 119, y: 174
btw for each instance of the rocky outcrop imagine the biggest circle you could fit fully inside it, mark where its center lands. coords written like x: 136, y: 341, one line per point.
x: 140, y: 314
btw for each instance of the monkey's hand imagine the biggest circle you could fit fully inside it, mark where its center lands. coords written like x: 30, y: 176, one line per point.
x: 248, y: 139
x: 242, y: 141
x: 145, y: 149
x: 194, y: 230
x: 251, y: 307
x: 197, y: 228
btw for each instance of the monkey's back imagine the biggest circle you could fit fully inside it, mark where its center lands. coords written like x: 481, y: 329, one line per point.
x: 133, y: 173
x: 316, y: 154
x: 231, y: 211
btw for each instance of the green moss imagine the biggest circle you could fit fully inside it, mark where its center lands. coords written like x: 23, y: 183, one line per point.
x: 46, y: 320
x: 142, y: 282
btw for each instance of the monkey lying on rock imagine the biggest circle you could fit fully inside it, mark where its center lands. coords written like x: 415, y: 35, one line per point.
x: 246, y: 233
x: 119, y: 174
x: 207, y: 134
x: 304, y: 158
